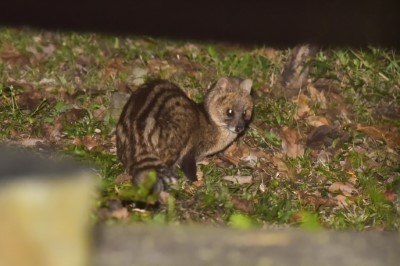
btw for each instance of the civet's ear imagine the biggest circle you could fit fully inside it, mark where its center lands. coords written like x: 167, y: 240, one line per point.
x: 245, y: 85
x: 222, y: 83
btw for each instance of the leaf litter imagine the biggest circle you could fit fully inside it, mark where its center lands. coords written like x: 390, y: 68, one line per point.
x: 317, y: 142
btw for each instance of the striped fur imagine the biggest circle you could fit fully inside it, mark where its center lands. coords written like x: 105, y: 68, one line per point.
x: 160, y: 127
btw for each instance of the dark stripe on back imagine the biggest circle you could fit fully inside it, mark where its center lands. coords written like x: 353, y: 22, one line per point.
x: 161, y: 109
x: 144, y: 114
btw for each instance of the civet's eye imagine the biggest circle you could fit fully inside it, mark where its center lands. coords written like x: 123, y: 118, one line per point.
x: 229, y: 112
x: 244, y: 113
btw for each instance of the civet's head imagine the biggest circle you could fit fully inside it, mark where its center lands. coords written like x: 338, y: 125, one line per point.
x: 229, y: 103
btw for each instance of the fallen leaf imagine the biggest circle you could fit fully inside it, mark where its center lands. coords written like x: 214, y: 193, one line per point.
x: 121, y: 178
x: 77, y: 141
x: 347, y: 189
x: 239, y: 179
x: 120, y: 214
x: 240, y: 153
x: 317, y: 96
x: 352, y: 177
x: 158, y: 65
x: 390, y: 195
x: 283, y: 167
x: 232, y: 154
x: 317, y: 200
x: 371, y: 131
x: 389, y: 135
x: 30, y: 142
x: 200, y: 175
x: 29, y: 100
x: 42, y: 54
x: 242, y: 204
x: 317, y: 121
x: 198, y: 183
x: 303, y: 109
x: 113, y: 139
x: 391, y: 111
x: 113, y: 209
x: 342, y: 201
x: 326, y: 85
x: 290, y: 142
x: 89, y: 141
x: 112, y: 68
x: 75, y: 114
x: 324, y: 156
x: 262, y: 187
x: 52, y: 132
x: 10, y: 54
x: 163, y: 197
x: 99, y: 114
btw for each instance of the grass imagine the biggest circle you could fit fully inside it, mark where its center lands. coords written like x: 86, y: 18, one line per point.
x: 56, y: 87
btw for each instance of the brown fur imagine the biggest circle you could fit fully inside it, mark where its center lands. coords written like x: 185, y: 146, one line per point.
x: 160, y: 127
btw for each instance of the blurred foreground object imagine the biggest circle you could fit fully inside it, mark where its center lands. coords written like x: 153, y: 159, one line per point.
x: 45, y: 209
x: 193, y: 245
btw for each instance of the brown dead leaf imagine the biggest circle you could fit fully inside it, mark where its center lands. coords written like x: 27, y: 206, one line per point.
x: 122, y: 178
x: 352, y: 177
x: 337, y: 106
x: 389, y: 135
x: 240, y: 153
x: 77, y: 141
x: 393, y: 138
x: 11, y: 55
x: 232, y: 154
x: 42, y: 54
x: 30, y: 142
x: 158, y: 65
x: 90, y: 141
x: 239, y: 179
x: 326, y: 85
x: 163, y: 197
x: 52, y: 132
x: 283, y: 167
x: 120, y: 214
x: 317, y: 96
x: 390, y: 195
x: 29, y: 99
x: 242, y: 204
x: 99, y: 114
x: 200, y: 175
x: 198, y: 183
x: 112, y: 68
x: 341, y: 201
x: 303, y: 108
x: 290, y: 142
x: 317, y: 200
x: 347, y: 189
x: 391, y: 111
x: 371, y: 131
x: 317, y: 121
x: 74, y: 114
x: 270, y: 53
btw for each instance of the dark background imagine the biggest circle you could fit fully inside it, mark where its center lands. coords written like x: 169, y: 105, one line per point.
x: 275, y: 23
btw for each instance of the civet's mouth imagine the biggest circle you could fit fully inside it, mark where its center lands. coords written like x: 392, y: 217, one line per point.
x: 235, y: 129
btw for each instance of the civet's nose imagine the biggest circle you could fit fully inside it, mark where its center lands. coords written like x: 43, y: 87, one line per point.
x: 239, y: 129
